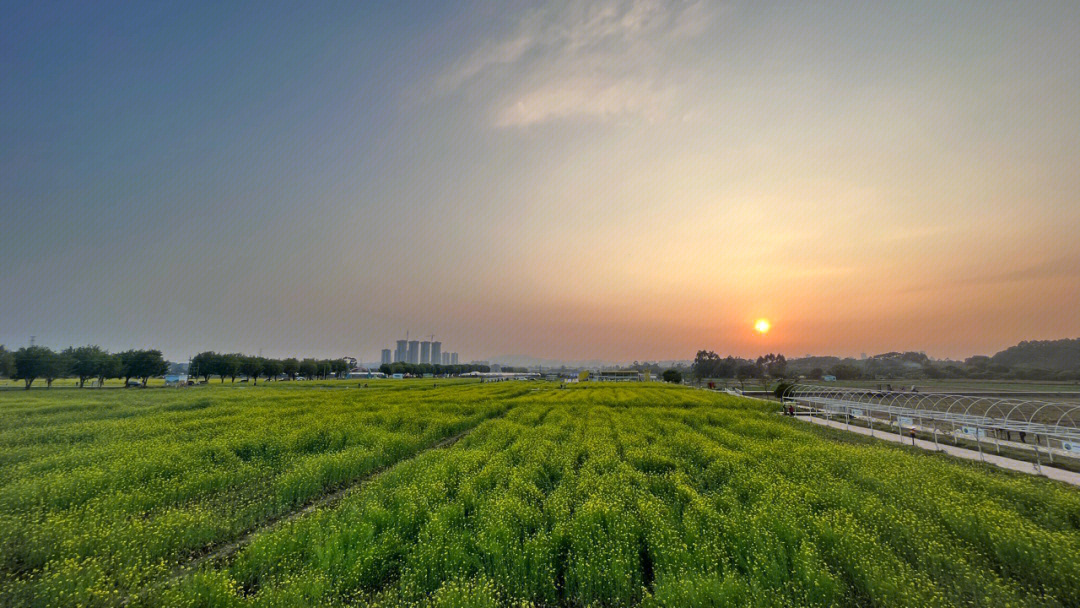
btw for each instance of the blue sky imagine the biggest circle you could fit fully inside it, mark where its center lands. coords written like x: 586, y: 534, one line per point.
x: 618, y: 180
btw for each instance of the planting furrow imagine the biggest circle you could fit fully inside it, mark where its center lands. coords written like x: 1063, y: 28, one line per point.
x: 633, y: 496
x: 98, y: 533
x: 224, y: 551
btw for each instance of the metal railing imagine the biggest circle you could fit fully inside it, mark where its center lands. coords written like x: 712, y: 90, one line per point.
x: 1052, y: 426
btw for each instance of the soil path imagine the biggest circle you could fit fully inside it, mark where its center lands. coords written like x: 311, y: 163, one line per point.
x: 223, y: 551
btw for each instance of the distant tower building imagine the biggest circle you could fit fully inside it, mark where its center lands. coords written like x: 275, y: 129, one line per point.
x: 436, y: 352
x: 425, y: 352
x: 453, y: 359
x: 446, y: 358
x: 386, y: 355
x: 414, y: 351
x: 402, y: 351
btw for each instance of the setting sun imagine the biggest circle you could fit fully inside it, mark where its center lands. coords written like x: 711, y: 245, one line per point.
x: 762, y: 326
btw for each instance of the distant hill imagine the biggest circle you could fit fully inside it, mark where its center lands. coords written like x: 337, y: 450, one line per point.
x: 1054, y: 355
x: 806, y: 364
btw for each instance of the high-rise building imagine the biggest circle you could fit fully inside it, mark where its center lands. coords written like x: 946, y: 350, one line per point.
x: 401, y: 354
x: 436, y: 352
x: 386, y: 355
x: 425, y: 352
x: 446, y: 358
x: 453, y: 359
x: 414, y: 351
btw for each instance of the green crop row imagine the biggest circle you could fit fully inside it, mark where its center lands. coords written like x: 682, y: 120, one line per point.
x: 102, y: 492
x: 657, y: 496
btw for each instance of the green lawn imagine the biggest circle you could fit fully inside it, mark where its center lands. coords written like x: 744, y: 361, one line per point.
x: 605, y: 495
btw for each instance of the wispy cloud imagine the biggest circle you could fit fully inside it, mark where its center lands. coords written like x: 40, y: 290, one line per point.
x: 586, y: 60
x: 498, y: 53
x: 597, y: 98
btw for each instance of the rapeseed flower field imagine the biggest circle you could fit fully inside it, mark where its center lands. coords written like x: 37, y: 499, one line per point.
x: 591, y: 495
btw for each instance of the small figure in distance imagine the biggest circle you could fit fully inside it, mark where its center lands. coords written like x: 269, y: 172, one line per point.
x: 912, y: 433
x: 791, y: 411
x: 1023, y: 437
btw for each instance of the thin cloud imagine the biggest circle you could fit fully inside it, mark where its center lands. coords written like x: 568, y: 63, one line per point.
x: 584, y: 60
x: 591, y: 98
x: 492, y: 54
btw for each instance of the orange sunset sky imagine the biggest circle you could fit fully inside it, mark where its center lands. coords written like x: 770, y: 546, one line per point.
x: 584, y: 180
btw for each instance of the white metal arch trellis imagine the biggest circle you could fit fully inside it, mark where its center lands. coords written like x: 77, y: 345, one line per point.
x: 1052, y: 426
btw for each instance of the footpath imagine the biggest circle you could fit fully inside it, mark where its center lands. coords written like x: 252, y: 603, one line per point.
x: 1006, y: 463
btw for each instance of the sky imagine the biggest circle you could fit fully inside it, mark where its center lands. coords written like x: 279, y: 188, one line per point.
x: 577, y: 180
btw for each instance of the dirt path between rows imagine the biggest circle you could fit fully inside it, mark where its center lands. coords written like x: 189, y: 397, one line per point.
x: 226, y: 550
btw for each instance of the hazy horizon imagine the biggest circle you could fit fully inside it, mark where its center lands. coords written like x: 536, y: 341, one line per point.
x: 586, y: 180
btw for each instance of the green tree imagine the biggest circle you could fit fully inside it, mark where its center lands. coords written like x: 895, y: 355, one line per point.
x: 705, y: 364
x: 110, y: 367
x: 57, y: 365
x: 747, y: 371
x: 30, y: 363
x: 339, y: 367
x: 127, y: 365
x: 290, y: 367
x: 204, y: 365
x: 773, y: 365
x: 672, y: 375
x: 86, y: 362
x: 783, y: 389
x: 272, y: 368
x: 252, y: 367
x: 142, y: 364
x: 325, y: 367
x: 845, y: 371
x: 229, y: 365
x: 309, y: 368
x: 7, y: 362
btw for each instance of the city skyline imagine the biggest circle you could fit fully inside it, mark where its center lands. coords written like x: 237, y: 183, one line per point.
x: 574, y: 181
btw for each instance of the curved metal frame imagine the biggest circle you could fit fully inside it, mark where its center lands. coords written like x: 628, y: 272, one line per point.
x: 988, y: 416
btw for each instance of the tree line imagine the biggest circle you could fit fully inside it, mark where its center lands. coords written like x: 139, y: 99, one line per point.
x: 231, y: 365
x: 708, y: 364
x: 31, y: 363
x: 436, y: 369
x: 1046, y: 360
